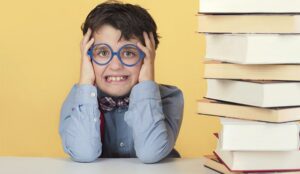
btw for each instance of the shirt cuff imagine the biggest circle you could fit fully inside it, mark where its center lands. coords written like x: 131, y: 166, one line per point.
x: 86, y: 94
x: 145, y: 90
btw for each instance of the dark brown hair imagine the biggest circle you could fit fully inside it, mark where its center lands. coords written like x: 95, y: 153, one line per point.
x: 130, y: 19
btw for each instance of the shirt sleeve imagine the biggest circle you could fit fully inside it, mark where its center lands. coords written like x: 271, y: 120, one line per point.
x: 80, y: 124
x: 155, y: 120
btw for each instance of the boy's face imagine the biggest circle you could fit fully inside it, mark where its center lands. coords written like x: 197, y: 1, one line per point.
x: 114, y: 78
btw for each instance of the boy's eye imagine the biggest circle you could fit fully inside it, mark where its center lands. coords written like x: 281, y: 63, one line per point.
x: 129, y: 54
x: 103, y: 53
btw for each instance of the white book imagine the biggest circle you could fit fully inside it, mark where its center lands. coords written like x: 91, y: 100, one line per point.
x: 244, y: 135
x: 249, y: 6
x: 255, y: 93
x: 253, y: 48
x: 258, y: 23
x: 259, y: 161
x: 218, y: 70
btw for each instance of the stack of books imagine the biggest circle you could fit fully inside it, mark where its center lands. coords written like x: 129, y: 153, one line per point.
x: 252, y: 67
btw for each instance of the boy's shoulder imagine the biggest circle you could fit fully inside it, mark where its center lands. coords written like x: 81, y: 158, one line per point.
x: 169, y: 91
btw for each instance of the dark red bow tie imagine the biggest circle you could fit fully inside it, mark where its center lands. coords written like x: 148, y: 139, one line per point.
x: 109, y: 103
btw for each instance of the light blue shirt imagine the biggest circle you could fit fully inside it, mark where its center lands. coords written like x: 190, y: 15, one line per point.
x: 147, y: 128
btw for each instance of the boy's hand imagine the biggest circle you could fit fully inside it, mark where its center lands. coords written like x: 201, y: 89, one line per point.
x: 147, y: 70
x: 87, y: 75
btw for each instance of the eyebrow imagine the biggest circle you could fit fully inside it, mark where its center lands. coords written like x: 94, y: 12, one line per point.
x: 96, y: 43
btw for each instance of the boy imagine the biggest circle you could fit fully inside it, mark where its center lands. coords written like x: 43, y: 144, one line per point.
x: 117, y: 109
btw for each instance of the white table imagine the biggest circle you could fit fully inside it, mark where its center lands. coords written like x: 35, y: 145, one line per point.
x: 34, y: 165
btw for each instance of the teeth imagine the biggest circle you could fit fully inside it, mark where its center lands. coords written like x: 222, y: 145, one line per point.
x: 110, y: 78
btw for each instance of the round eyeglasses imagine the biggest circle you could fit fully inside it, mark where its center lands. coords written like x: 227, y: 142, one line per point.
x: 128, y: 55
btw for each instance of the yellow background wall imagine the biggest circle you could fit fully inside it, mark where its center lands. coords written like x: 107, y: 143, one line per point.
x: 39, y: 63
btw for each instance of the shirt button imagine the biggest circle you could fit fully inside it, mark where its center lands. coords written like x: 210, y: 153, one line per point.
x: 93, y: 94
x: 95, y: 119
x: 122, y: 144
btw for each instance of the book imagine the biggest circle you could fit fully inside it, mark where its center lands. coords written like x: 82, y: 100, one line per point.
x: 244, y: 112
x: 218, y: 70
x: 256, y: 23
x: 245, y: 135
x: 249, y: 6
x: 255, y: 93
x: 213, y: 164
x: 259, y: 161
x: 253, y: 48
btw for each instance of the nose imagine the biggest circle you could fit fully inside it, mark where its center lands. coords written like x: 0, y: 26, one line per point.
x: 115, y: 63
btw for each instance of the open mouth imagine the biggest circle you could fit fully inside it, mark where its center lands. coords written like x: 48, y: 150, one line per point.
x: 119, y: 78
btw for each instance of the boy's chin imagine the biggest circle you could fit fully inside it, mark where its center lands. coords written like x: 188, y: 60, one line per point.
x: 116, y: 90
x: 117, y: 93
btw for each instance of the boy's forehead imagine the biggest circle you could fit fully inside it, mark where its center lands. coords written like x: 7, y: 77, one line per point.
x: 107, y: 32
x: 110, y: 35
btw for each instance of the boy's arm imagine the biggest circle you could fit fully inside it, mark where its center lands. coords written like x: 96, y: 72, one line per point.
x: 80, y: 125
x: 155, y: 121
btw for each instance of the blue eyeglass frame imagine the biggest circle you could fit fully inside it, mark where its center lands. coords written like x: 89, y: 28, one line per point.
x: 90, y: 53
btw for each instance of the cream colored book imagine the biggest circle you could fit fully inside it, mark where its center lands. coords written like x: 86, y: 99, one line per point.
x: 230, y: 110
x: 259, y: 161
x: 249, y: 6
x: 245, y: 135
x: 255, y: 93
x: 253, y: 48
x: 258, y: 23
x: 218, y: 70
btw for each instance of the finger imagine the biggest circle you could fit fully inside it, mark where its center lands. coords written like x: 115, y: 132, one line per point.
x: 144, y: 49
x: 152, y: 40
x: 87, y: 36
x: 88, y: 45
x: 147, y: 40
